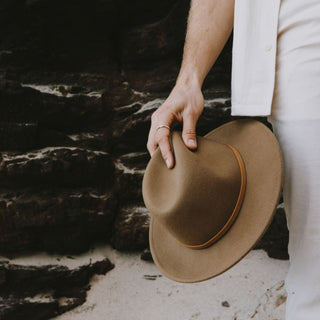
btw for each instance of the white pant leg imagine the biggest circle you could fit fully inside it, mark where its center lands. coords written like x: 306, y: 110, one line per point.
x: 299, y: 142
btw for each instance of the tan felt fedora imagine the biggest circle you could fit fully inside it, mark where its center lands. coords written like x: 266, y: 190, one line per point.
x: 215, y: 204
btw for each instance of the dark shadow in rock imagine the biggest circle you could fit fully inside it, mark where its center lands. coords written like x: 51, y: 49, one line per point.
x: 275, y: 240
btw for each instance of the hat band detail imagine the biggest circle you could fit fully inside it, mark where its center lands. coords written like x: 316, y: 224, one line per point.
x: 236, y: 209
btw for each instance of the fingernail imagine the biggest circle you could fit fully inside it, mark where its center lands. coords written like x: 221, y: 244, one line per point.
x: 191, y: 142
x: 168, y: 162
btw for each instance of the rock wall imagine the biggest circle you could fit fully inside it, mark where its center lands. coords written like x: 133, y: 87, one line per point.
x: 79, y: 81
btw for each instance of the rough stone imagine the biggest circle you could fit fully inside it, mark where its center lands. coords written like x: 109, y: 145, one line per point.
x: 27, y: 104
x: 129, y: 174
x: 41, y: 292
x: 131, y: 229
x: 55, y: 220
x: 56, y: 166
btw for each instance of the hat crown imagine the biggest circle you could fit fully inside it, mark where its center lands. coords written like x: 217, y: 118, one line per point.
x: 197, y: 200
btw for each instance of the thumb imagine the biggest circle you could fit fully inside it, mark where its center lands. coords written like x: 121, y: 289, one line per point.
x: 189, y: 131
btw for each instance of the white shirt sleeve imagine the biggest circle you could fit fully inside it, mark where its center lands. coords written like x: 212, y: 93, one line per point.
x: 254, y: 56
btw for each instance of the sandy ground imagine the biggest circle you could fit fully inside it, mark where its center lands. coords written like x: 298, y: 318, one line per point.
x: 136, y: 290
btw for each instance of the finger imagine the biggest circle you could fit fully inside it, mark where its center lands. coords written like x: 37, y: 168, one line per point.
x: 152, y: 145
x: 189, y: 129
x: 162, y: 137
x: 159, y: 117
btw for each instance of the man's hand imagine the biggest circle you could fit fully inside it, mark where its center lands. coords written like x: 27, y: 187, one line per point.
x: 184, y: 104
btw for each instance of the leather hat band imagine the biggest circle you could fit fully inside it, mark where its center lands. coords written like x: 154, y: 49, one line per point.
x: 236, y: 209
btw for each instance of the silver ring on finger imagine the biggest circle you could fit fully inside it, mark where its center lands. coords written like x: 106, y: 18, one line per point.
x: 163, y: 125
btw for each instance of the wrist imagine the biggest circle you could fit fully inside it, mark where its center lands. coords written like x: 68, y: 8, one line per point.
x: 189, y: 79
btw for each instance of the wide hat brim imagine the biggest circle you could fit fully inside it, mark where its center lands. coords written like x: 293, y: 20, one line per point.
x: 262, y: 156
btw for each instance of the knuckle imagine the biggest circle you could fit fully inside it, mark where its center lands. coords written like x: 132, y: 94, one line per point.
x: 189, y: 132
x: 151, y: 144
x: 154, y: 116
x: 161, y: 112
x: 191, y: 113
x: 162, y: 139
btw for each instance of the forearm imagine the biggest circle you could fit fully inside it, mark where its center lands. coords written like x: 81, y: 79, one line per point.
x: 210, y: 23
